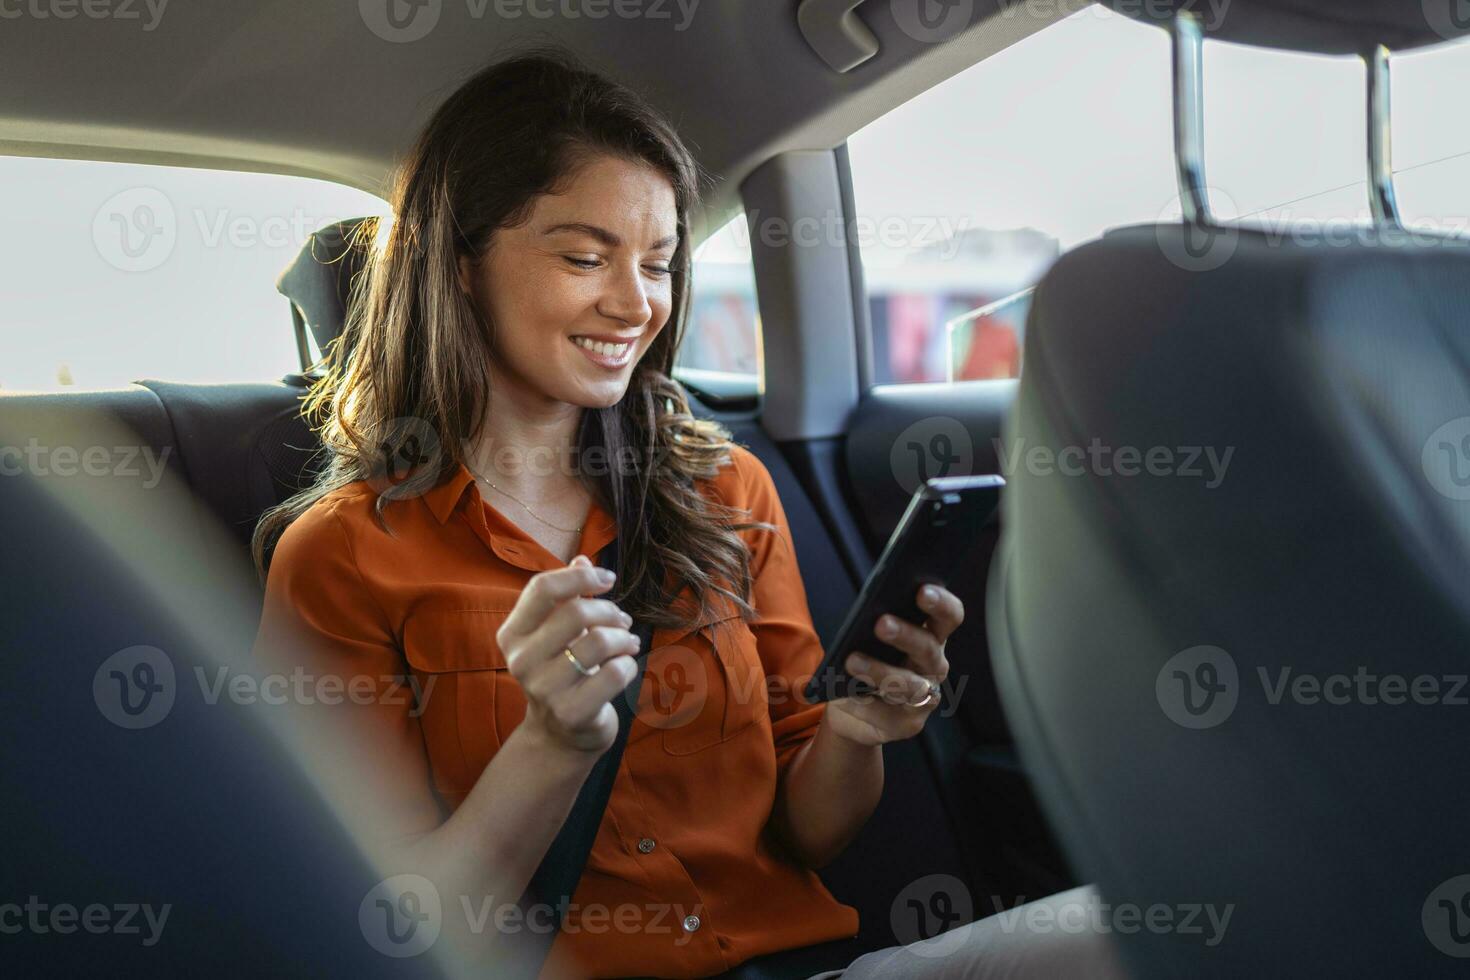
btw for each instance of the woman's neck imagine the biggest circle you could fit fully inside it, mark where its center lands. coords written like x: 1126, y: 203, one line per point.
x: 526, y: 444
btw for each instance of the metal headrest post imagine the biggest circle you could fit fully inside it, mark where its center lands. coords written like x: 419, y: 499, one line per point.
x: 1381, y: 196
x: 1189, y: 118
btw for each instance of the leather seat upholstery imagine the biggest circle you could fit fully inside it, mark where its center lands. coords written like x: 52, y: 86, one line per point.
x: 1202, y: 660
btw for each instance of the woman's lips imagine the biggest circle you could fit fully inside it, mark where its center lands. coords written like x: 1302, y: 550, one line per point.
x: 610, y: 356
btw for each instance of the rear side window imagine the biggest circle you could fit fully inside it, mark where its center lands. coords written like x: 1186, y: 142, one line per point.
x: 113, y: 272
x: 966, y: 194
x: 722, y: 339
x: 1431, y: 148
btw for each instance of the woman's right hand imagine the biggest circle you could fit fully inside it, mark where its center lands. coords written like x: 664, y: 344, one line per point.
x: 555, y: 613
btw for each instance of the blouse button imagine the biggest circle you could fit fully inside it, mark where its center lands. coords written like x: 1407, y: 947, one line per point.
x: 646, y: 844
x: 691, y: 922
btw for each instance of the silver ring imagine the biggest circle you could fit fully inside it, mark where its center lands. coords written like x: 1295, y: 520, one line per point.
x: 581, y: 668
x: 934, y: 692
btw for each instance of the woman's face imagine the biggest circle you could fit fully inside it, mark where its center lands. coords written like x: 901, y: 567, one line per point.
x: 578, y: 292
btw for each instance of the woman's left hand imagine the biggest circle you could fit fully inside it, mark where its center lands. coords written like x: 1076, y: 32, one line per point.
x: 897, y: 708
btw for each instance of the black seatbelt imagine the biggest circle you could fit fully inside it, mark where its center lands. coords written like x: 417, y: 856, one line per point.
x: 560, y: 870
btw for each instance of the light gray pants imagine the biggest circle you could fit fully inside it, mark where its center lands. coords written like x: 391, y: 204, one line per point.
x: 1049, y: 938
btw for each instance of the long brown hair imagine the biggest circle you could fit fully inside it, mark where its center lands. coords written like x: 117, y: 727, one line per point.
x: 412, y: 366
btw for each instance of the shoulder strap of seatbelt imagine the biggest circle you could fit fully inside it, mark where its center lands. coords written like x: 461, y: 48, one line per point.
x: 555, y: 880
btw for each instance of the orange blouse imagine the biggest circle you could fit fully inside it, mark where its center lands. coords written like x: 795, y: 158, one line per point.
x: 684, y: 879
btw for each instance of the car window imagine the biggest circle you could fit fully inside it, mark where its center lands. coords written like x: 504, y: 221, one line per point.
x: 113, y: 272
x: 722, y: 340
x: 1431, y: 150
x: 966, y: 194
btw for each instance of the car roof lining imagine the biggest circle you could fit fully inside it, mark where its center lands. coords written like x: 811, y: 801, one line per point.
x: 183, y: 94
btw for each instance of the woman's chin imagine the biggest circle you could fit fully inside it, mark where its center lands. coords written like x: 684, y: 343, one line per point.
x: 604, y: 395
x: 602, y: 392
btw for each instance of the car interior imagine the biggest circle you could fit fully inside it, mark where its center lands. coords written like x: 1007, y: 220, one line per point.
x: 1327, y: 546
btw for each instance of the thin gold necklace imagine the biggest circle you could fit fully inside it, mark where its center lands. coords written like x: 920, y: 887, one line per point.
x: 566, y: 530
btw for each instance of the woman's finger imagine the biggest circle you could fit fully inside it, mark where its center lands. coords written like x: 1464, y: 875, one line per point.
x: 945, y: 610
x: 545, y: 591
x: 568, y: 621
x: 896, y: 685
x: 599, y: 645
x: 583, y: 701
x: 925, y: 650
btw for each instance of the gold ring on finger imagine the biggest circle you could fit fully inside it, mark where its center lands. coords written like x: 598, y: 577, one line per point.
x: 581, y: 667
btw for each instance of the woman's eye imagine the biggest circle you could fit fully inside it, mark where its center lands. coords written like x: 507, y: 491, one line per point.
x: 581, y: 262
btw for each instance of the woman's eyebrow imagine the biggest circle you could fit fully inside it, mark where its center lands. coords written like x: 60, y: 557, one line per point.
x: 603, y: 235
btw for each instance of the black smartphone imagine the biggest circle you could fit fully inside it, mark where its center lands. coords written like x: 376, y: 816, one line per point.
x: 938, y: 532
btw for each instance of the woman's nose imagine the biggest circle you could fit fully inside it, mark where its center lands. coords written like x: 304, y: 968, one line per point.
x: 625, y: 298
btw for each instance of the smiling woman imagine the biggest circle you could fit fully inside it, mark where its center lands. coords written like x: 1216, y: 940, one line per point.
x: 528, y: 303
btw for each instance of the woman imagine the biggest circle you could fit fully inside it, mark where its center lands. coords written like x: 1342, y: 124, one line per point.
x: 500, y: 411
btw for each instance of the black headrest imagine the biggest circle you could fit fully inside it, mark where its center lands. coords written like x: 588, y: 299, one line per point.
x: 1325, y: 26
x: 319, y: 281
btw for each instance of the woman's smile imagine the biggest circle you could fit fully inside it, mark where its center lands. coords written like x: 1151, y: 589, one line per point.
x: 607, y: 351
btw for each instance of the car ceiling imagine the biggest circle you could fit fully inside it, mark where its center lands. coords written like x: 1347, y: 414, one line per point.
x: 308, y: 88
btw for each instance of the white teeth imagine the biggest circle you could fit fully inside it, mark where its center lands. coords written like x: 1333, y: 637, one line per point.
x: 597, y: 347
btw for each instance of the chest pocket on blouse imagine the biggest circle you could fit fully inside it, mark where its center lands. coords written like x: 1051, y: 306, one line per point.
x: 474, y: 702
x: 705, y: 686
